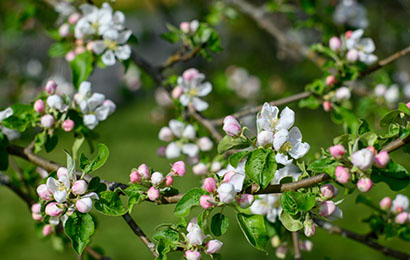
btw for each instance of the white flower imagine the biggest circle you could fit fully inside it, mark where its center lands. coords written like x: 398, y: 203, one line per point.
x: 157, y: 178
x: 337, y: 213
x: 193, y: 88
x: 186, y: 133
x: 268, y: 118
x: 238, y: 178
x: 392, y: 94
x: 189, y: 132
x: 265, y: 138
x: 226, y: 192
x: 352, y: 13
x: 364, y: 46
x: 113, y: 45
x: 363, y: 159
x: 95, y: 21
x: 343, y: 93
x: 60, y: 188
x: 10, y: 133
x: 400, y: 203
x: 289, y: 142
x: 267, y: 205
x: 195, y: 235
x: 406, y: 90
x: 56, y: 102
x: 172, y: 151
x: 380, y: 90
x: 288, y: 170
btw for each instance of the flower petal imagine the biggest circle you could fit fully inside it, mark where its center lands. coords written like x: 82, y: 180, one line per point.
x: 280, y: 138
x: 199, y: 104
x: 204, y: 89
x: 287, y: 119
x: 123, y: 52
x: 299, y: 150
x: 190, y: 149
x: 108, y: 58
x: 177, y: 127
x: 283, y: 159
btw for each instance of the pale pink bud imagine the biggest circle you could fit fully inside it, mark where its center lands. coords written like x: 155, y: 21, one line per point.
x: 165, y: 134
x: 382, y: 159
x: 169, y: 180
x: 306, y: 245
x: 90, y: 46
x: 335, y: 43
x: 385, y: 203
x: 205, y: 202
x: 36, y: 208
x: 205, y: 144
x: 79, y: 187
x: 364, y: 184
x: 73, y: 18
x: 310, y: 228
x: 265, y: 138
x: 192, y: 255
x: 51, y: 87
x: 193, y: 26
x: 177, y: 92
x: 216, y: 166
x: 200, y: 169
x: 348, y: 34
x: 70, y: 56
x: 352, y: 55
x: 64, y: 30
x: 342, y: 174
x: 47, y: 121
x: 44, y: 193
x: 330, y: 80
x: 337, y: 151
x: 157, y: 178
x: 213, y: 246
x: 327, y: 208
x: 79, y: 49
x: 179, y: 168
x: 328, y: 191
x: 245, y: 200
x: 135, y: 177
x: 53, y: 210
x: 408, y: 105
x: 143, y: 170
x: 68, y: 125
x: 372, y: 149
x: 153, y: 193
x: 47, y: 230
x: 36, y: 216
x: 231, y: 126
x: 184, y: 26
x: 401, y: 218
x: 228, y: 175
x: 363, y: 159
x: 327, y: 106
x: 79, y: 42
x: 210, y: 184
x: 84, y: 205
x: 62, y: 171
x: 190, y: 74
x: 39, y: 106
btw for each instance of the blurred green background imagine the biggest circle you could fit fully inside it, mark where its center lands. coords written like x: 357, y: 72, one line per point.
x: 131, y: 133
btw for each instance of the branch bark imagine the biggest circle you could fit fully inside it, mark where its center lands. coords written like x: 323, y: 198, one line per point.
x: 5, y: 180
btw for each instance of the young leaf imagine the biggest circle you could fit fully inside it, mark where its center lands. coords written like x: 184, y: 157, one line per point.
x: 227, y: 143
x: 219, y: 224
x: 235, y: 158
x: 81, y: 67
x: 110, y: 204
x: 269, y: 169
x: 394, y: 175
x: 79, y: 228
x: 189, y: 200
x: 289, y: 222
x: 253, y: 227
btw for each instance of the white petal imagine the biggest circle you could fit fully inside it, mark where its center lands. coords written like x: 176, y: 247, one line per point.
x: 184, y: 99
x: 299, y: 150
x: 287, y: 119
x: 189, y: 132
x: 54, y: 221
x: 118, y: 18
x: 199, y: 104
x: 190, y: 149
x: 283, y: 159
x: 65, y: 180
x: 108, y: 58
x: 91, y: 195
x: 90, y: 121
x: 237, y: 181
x: 95, y: 100
x: 6, y: 113
x: 124, y: 36
x: 177, y: 127
x: 367, y: 45
x: 280, y: 138
x: 172, y: 151
x: 102, y: 112
x: 52, y: 184
x: 123, y: 52
x: 204, y: 89
x: 295, y: 136
x: 111, y: 35
x: 98, y: 47
x: 60, y: 196
x: 85, y: 88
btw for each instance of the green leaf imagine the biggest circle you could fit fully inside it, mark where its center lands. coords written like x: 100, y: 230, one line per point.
x: 310, y: 102
x: 253, y: 227
x: 394, y: 175
x: 235, y: 158
x: 293, y: 202
x: 79, y: 228
x: 78, y: 141
x: 391, y: 117
x: 363, y: 127
x: 81, y: 67
x: 16, y: 123
x: 39, y: 141
x: 134, y: 193
x: 326, y: 165
x: 269, y: 169
x: 59, y: 49
x: 90, y: 166
x: 289, y: 222
x: 255, y: 165
x: 70, y: 164
x: 189, y: 200
x: 110, y: 204
x: 51, y: 143
x: 169, y: 236
x: 219, y: 224
x: 403, y: 108
x: 228, y: 143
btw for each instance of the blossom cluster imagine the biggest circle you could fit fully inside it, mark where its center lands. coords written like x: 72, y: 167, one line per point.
x: 10, y: 133
x: 399, y: 207
x: 60, y: 198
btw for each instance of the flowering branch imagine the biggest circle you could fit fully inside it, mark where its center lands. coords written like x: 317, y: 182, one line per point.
x: 178, y: 57
x: 366, y: 240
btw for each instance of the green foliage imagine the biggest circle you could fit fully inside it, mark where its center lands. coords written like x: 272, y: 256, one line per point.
x: 59, y: 49
x: 23, y: 117
x: 189, y: 200
x: 310, y: 102
x: 289, y: 222
x: 253, y: 227
x: 79, y: 227
x: 394, y: 175
x: 81, y: 67
x: 135, y: 195
x: 219, y: 224
x: 110, y: 204
x: 261, y: 166
x: 325, y: 164
x: 228, y: 143
x: 295, y: 202
x: 88, y: 166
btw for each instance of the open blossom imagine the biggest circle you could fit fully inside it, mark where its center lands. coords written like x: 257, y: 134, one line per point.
x: 352, y: 13
x: 113, y: 46
x: 246, y: 200
x: 364, y: 46
x: 363, y: 159
x: 380, y: 90
x: 330, y: 211
x: 193, y: 88
x: 267, y: 205
x: 56, y: 102
x: 234, y: 176
x: 60, y: 188
x: 400, y: 203
x: 195, y: 235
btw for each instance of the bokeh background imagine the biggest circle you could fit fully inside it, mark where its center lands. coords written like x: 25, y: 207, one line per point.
x: 250, y: 54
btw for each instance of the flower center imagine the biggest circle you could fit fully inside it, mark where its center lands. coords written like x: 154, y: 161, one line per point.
x: 285, y: 147
x: 193, y: 92
x: 110, y: 44
x: 60, y: 186
x: 274, y: 122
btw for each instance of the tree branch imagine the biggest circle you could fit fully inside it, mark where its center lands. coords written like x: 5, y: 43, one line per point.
x: 179, y: 56
x: 95, y: 254
x: 206, y: 123
x: 5, y: 180
x: 366, y: 240
x: 396, y: 144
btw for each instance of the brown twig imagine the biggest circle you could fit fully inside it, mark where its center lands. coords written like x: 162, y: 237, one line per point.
x: 296, y: 248
x: 206, y: 123
x: 20, y: 174
x: 95, y: 254
x: 366, y: 240
x: 5, y: 180
x: 396, y: 144
x: 179, y: 56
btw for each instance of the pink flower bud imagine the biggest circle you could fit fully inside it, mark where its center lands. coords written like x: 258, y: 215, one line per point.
x: 205, y: 144
x: 68, y: 125
x: 190, y: 74
x: 184, y: 26
x: 44, y: 193
x: 70, y: 56
x: 228, y: 175
x: 401, y: 218
x: 169, y: 180
x: 328, y: 191
x: 135, y: 177
x: 47, y: 230
x: 51, y: 87
x: 79, y: 187
x: 177, y: 92
x: 36, y: 208
x: 327, y: 208
x: 36, y: 216
x: 47, y: 121
x: 348, y: 34
x: 213, y: 246
x: 335, y: 43
x: 342, y: 174
x: 179, y: 168
x: 53, y: 210
x: 372, y: 149
x: 157, y: 178
x: 79, y: 42
x: 337, y: 151
x: 408, y: 105
x: 64, y: 30
x: 153, y: 194
x: 310, y: 228
x: 90, y: 46
x: 200, y: 169
x: 216, y: 166
x: 385, y: 203
x: 62, y: 171
x: 192, y: 255
x: 327, y: 106
x: 382, y: 159
x: 364, y: 184
x: 205, y: 202
x: 165, y: 134
x: 73, y: 18
x: 39, y: 106
x: 352, y: 55
x: 330, y: 80
x: 210, y: 184
x: 231, y: 126
x: 143, y: 170
x: 84, y: 205
x: 246, y: 200
x: 79, y: 49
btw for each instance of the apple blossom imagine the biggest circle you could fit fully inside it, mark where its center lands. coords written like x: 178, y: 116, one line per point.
x: 226, y: 192
x: 169, y: 180
x: 192, y: 255
x: 245, y: 200
x: 47, y: 121
x: 228, y: 175
x: 400, y: 203
x: 385, y: 203
x: 337, y: 151
x: 327, y: 105
x: 68, y: 125
x: 193, y: 88
x: 275, y: 241
x: 195, y: 235
x: 206, y: 202
x: 213, y: 246
x: 351, y: 13
x: 205, y: 144
x: 47, y: 230
x: 62, y: 171
x: 328, y: 191
x: 281, y: 251
x: 39, y: 106
x: 392, y: 94
x: 327, y: 208
x: 267, y: 205
x: 184, y: 27
x: 363, y: 159
x: 210, y: 184
x: 54, y: 209
x: 84, y: 205
x: 44, y: 193
x: 79, y: 187
x: 265, y: 138
x: 60, y: 188
x: 342, y: 174
x: 310, y: 228
x: 364, y: 47
x: 330, y: 80
x: 289, y: 170
x: 401, y: 218
x: 73, y: 18
x: 364, y: 184
x: 143, y: 170
x: 231, y: 126
x: 335, y: 43
x: 352, y: 55
x: 51, y: 87
x: 193, y: 26
x: 157, y: 178
x: 36, y: 211
x: 372, y: 149
x: 337, y: 213
x: 306, y: 245
x: 343, y: 93
x: 382, y: 159
x: 177, y: 92
x: 165, y: 134
x: 161, y: 151
x: 380, y: 90
x: 179, y: 168
x: 216, y: 166
x: 200, y: 169
x: 153, y: 193
x: 64, y: 30
x: 113, y: 46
